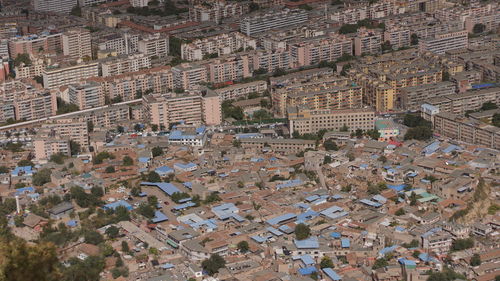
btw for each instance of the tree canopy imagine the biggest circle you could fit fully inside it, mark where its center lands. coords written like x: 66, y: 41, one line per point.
x: 213, y: 264
x: 302, y: 231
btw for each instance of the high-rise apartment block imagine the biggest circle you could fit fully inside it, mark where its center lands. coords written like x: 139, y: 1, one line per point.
x: 226, y: 69
x: 73, y: 129
x: 76, y: 43
x: 54, y: 6
x: 367, y: 42
x: 34, y: 44
x: 85, y: 96
x: 272, y: 19
x: 133, y: 85
x: 124, y: 64
x: 120, y: 41
x: 61, y: 76
x: 306, y: 121
x: 398, y: 38
x: 223, y: 44
x: 216, y: 11
x: 444, y: 42
x: 241, y: 90
x: 19, y: 101
x: 154, y: 45
x: 48, y: 143
x: 324, y: 48
x: 190, y: 108
x: 188, y: 75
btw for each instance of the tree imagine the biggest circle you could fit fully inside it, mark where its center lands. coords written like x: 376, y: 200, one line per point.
x: 400, y: 212
x: 90, y: 126
x: 213, y: 264
x: 83, y: 270
x: 462, y: 244
x: 156, y: 151
x: 419, y: 133
x: 446, y: 275
x: 379, y: 263
x: 330, y: 145
x: 413, y: 244
x: 446, y: 76
x: 41, y: 177
x: 344, y: 128
x: 413, y: 199
x: 386, y: 46
x: 64, y: 107
x: 253, y: 6
x: 279, y: 72
x: 475, y: 260
x: 154, y: 127
x: 348, y: 28
x: 4, y: 170
x: 416, y: 254
x: 496, y: 120
x: 146, y: 210
x: 489, y: 106
x: 414, y: 39
x: 327, y: 160
x: 125, y: 247
x: 110, y: 169
x: 76, y: 11
x: 236, y: 143
x: 382, y: 159
x: 24, y: 163
x: 326, y: 262
x: 93, y: 237
x: 120, y: 129
x: 478, y: 28
x: 302, y: 231
x: 153, y: 200
x: 138, y: 127
x: 128, y: 161
x: 97, y: 191
x: 154, y: 177
x: 74, y: 147
x: 243, y: 246
x: 23, y: 262
x: 112, y: 231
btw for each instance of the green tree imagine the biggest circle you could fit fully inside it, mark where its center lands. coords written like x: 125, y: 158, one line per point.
x: 379, y: 263
x: 112, y: 231
x: 478, y: 28
x: 24, y: 163
x: 154, y: 177
x: 348, y: 28
x: 413, y: 199
x: 489, y: 106
x: 41, y: 177
x: 128, y: 161
x: 84, y: 270
x: 154, y: 127
x: 146, y: 210
x: 330, y: 145
x: 446, y: 275
x: 74, y: 147
x: 414, y: 39
x: 302, y: 231
x: 76, y: 11
x: 110, y: 169
x: 400, y: 212
x: 326, y: 262
x: 419, y: 133
x: 125, y: 247
x: 213, y: 264
x: 496, y: 120
x: 93, y: 237
x: 243, y: 246
x: 157, y: 151
x: 97, y: 191
x: 475, y: 260
x: 386, y: 46
x: 462, y: 244
x: 4, y: 170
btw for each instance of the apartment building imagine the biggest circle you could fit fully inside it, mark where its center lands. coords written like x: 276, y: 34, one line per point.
x: 278, y: 145
x: 107, y: 117
x: 215, y: 11
x: 121, y: 41
x: 263, y: 22
x: 54, y: 77
x: 84, y: 3
x: 124, y: 63
x: 154, y: 45
x: 229, y: 68
x: 86, y: 95
x: 188, y: 75
x: 20, y: 101
x: 336, y: 93
x: 437, y: 241
x: 133, y: 85
x: 237, y: 91
x: 54, y: 6
x: 367, y: 41
x: 306, y: 121
x: 46, y: 144
x: 212, y: 110
x: 467, y: 130
x: 189, y: 108
x: 4, y: 49
x: 324, y: 48
x: 70, y: 128
x: 398, y: 38
x: 444, y: 42
x: 470, y: 100
x: 30, y: 71
x: 76, y: 43
x: 350, y: 15
x: 413, y: 97
x: 271, y: 60
x: 34, y: 44
x: 223, y: 44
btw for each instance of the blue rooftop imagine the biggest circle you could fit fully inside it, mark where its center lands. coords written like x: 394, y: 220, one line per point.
x: 166, y: 187
x: 309, y: 243
x: 281, y: 219
x: 345, y: 243
x: 184, y: 206
x: 114, y: 205
x: 307, y: 270
x: 431, y: 148
x: 184, y: 166
x: 331, y: 274
x: 335, y: 235
x: 398, y: 187
x: 290, y: 183
x: 274, y: 231
x: 24, y: 190
x: 159, y: 217
x: 407, y: 262
x: 26, y: 170
x: 306, y: 259
x: 188, y: 184
x: 370, y: 203
x: 164, y: 170
x: 387, y: 250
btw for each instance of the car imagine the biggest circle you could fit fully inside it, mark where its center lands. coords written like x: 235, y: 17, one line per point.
x: 166, y: 202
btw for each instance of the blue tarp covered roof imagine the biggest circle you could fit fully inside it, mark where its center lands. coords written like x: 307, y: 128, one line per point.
x: 159, y: 217
x: 280, y: 219
x: 345, y: 243
x: 331, y: 274
x: 307, y: 270
x: 166, y: 187
x: 114, y: 205
x: 309, y: 243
